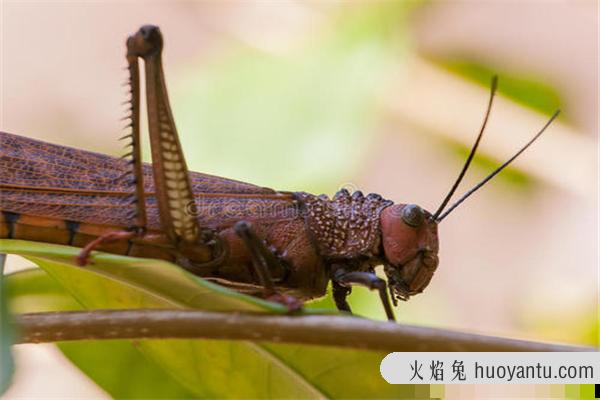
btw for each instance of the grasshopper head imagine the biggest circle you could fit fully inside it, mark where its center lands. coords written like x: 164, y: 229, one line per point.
x: 145, y: 42
x: 409, y: 233
x: 410, y: 244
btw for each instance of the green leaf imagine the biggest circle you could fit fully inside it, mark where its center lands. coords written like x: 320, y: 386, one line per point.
x: 6, y: 334
x: 143, y: 282
x: 211, y: 368
x: 130, y: 375
x: 32, y: 290
x: 119, y: 368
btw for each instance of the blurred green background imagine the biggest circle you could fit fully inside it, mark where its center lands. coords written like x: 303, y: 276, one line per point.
x: 380, y: 96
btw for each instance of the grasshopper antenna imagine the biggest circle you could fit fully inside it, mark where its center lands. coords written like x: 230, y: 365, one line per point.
x: 472, y: 153
x: 497, y: 171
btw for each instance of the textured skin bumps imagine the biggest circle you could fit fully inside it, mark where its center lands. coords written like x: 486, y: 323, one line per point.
x: 347, y: 226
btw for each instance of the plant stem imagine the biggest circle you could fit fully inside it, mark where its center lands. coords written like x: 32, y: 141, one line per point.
x: 312, y: 330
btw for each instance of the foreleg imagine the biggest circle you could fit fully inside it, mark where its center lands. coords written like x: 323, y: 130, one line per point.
x: 346, y: 279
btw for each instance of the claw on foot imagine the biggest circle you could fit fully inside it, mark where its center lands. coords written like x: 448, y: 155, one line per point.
x: 292, y: 303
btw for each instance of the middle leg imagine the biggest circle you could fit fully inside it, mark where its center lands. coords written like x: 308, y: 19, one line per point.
x: 263, y: 262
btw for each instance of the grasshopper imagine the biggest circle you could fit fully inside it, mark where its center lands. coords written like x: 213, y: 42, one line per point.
x: 282, y: 246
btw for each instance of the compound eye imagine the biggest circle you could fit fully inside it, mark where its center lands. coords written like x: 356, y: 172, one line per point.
x: 413, y: 215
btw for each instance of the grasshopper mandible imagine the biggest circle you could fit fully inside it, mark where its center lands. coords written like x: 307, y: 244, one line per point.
x: 283, y: 246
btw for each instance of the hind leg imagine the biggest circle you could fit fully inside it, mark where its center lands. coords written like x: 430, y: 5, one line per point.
x: 114, y: 236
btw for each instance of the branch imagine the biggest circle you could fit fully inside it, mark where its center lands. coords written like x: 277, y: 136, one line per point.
x: 328, y: 330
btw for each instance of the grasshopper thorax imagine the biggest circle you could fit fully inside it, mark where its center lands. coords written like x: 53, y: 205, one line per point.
x: 410, y: 245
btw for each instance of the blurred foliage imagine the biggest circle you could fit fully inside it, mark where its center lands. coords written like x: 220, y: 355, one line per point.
x: 273, y: 119
x: 524, y: 90
x: 520, y: 88
x: 486, y: 164
x: 6, y: 334
x: 582, y: 329
x: 204, y: 368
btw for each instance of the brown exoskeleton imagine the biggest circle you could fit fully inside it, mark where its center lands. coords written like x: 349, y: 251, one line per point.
x: 284, y: 246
